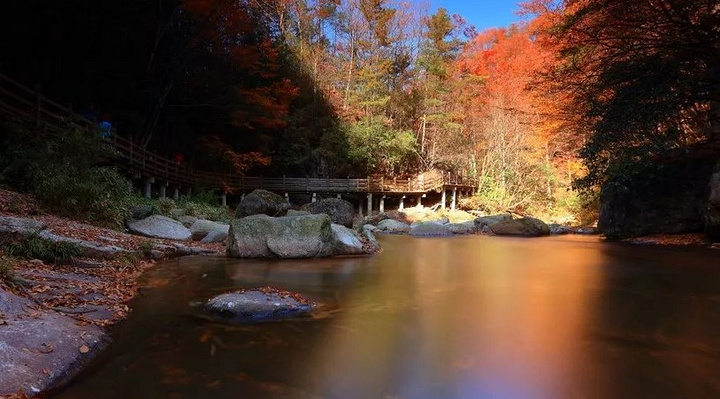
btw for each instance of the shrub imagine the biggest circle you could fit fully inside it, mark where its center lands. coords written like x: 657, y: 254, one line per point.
x: 67, y: 171
x: 35, y: 247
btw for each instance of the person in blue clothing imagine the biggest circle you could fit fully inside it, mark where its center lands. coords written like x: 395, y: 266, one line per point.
x: 105, y: 126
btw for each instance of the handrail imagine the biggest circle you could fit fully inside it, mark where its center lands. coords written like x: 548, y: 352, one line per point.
x: 32, y: 107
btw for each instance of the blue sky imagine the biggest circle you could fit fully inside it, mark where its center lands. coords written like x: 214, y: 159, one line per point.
x: 483, y: 14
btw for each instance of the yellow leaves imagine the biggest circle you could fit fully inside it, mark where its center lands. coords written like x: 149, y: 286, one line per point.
x: 84, y: 349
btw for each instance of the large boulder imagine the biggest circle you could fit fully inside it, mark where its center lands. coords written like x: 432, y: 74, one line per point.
x: 139, y: 212
x: 483, y: 223
x: 158, y: 226
x: 257, y: 305
x: 430, y: 229
x: 11, y: 226
x: 347, y: 241
x: 712, y: 215
x: 339, y: 210
x: 559, y: 229
x: 524, y: 227
x: 463, y: 228
x: 262, y: 202
x: 201, y: 228
x: 393, y: 227
x: 262, y: 236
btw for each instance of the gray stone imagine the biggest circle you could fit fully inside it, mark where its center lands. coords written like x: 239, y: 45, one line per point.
x: 254, y: 305
x: 261, y: 236
x: 19, y: 227
x: 158, y: 226
x: 430, y: 229
x: 216, y: 236
x: 393, y: 227
x: 524, y: 227
x: 369, y: 227
x: 347, y: 241
x: 262, y: 202
x: 440, y: 221
x: 463, y: 228
x: 586, y: 230
x: 202, y: 228
x: 340, y: 211
x: 483, y: 223
x: 91, y: 249
x: 187, y: 221
x: 42, y: 352
x: 558, y: 229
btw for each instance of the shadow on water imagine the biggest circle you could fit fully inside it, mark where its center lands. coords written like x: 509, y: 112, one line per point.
x: 467, y: 317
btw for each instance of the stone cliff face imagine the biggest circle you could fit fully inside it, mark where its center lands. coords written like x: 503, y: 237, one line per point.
x: 670, y: 198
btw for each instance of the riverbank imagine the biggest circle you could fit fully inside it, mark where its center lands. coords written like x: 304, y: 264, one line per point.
x: 54, y: 317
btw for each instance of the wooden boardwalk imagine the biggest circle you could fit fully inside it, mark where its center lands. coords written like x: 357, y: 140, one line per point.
x: 30, y: 106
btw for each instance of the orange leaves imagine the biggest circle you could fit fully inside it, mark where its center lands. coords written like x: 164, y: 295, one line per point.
x: 241, y: 162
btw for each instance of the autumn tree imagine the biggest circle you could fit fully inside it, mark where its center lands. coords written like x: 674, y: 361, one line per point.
x: 645, y: 76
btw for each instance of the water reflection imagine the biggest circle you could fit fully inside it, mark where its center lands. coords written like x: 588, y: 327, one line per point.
x: 471, y: 317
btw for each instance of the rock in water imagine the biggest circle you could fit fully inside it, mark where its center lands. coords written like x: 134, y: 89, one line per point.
x: 262, y: 202
x: 160, y: 227
x: 430, y: 229
x: 463, y: 228
x: 483, y: 223
x: 525, y: 227
x: 393, y: 227
x: 347, y: 241
x: 340, y: 211
x: 261, y: 236
x: 257, y: 305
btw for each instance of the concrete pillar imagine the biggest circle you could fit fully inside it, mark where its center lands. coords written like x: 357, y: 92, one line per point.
x: 223, y: 199
x: 176, y: 193
x: 454, y: 198
x: 163, y: 187
x: 402, y: 203
x: 382, y: 204
x: 314, y: 197
x: 443, y: 200
x: 189, y: 192
x: 242, y: 197
x: 419, y: 204
x: 147, y: 191
x: 287, y: 197
x: 369, y: 204
x: 360, y: 208
x: 339, y: 196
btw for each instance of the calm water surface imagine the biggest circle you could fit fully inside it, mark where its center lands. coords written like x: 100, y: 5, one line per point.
x: 465, y: 317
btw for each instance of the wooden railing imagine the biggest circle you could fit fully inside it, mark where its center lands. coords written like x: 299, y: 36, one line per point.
x: 32, y: 107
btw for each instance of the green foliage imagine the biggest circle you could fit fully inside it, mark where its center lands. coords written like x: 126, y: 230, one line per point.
x: 211, y: 212
x: 164, y: 206
x: 35, y: 247
x: 376, y: 147
x: 66, y: 171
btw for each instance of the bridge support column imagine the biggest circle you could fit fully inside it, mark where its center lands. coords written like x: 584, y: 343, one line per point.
x: 189, y: 192
x: 382, y: 204
x: 443, y: 200
x: 454, y: 198
x: 147, y: 191
x: 360, y: 208
x: 314, y: 197
x: 419, y: 204
x: 176, y: 193
x: 163, y: 188
x: 402, y: 203
x: 369, y: 206
x: 339, y: 196
x: 287, y: 197
x: 223, y: 199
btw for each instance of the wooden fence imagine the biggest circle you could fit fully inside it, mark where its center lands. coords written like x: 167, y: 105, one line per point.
x: 31, y: 107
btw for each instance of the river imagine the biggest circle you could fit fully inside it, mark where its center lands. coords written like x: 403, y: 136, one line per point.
x: 463, y: 317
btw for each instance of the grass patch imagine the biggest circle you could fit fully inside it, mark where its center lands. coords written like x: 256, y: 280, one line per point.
x: 35, y: 247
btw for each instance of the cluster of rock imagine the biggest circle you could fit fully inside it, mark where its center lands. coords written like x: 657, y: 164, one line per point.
x: 267, y: 227
x: 257, y: 305
x: 501, y: 224
x: 185, y: 229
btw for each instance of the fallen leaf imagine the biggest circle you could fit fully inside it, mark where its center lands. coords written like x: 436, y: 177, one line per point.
x: 84, y: 349
x: 46, y: 348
